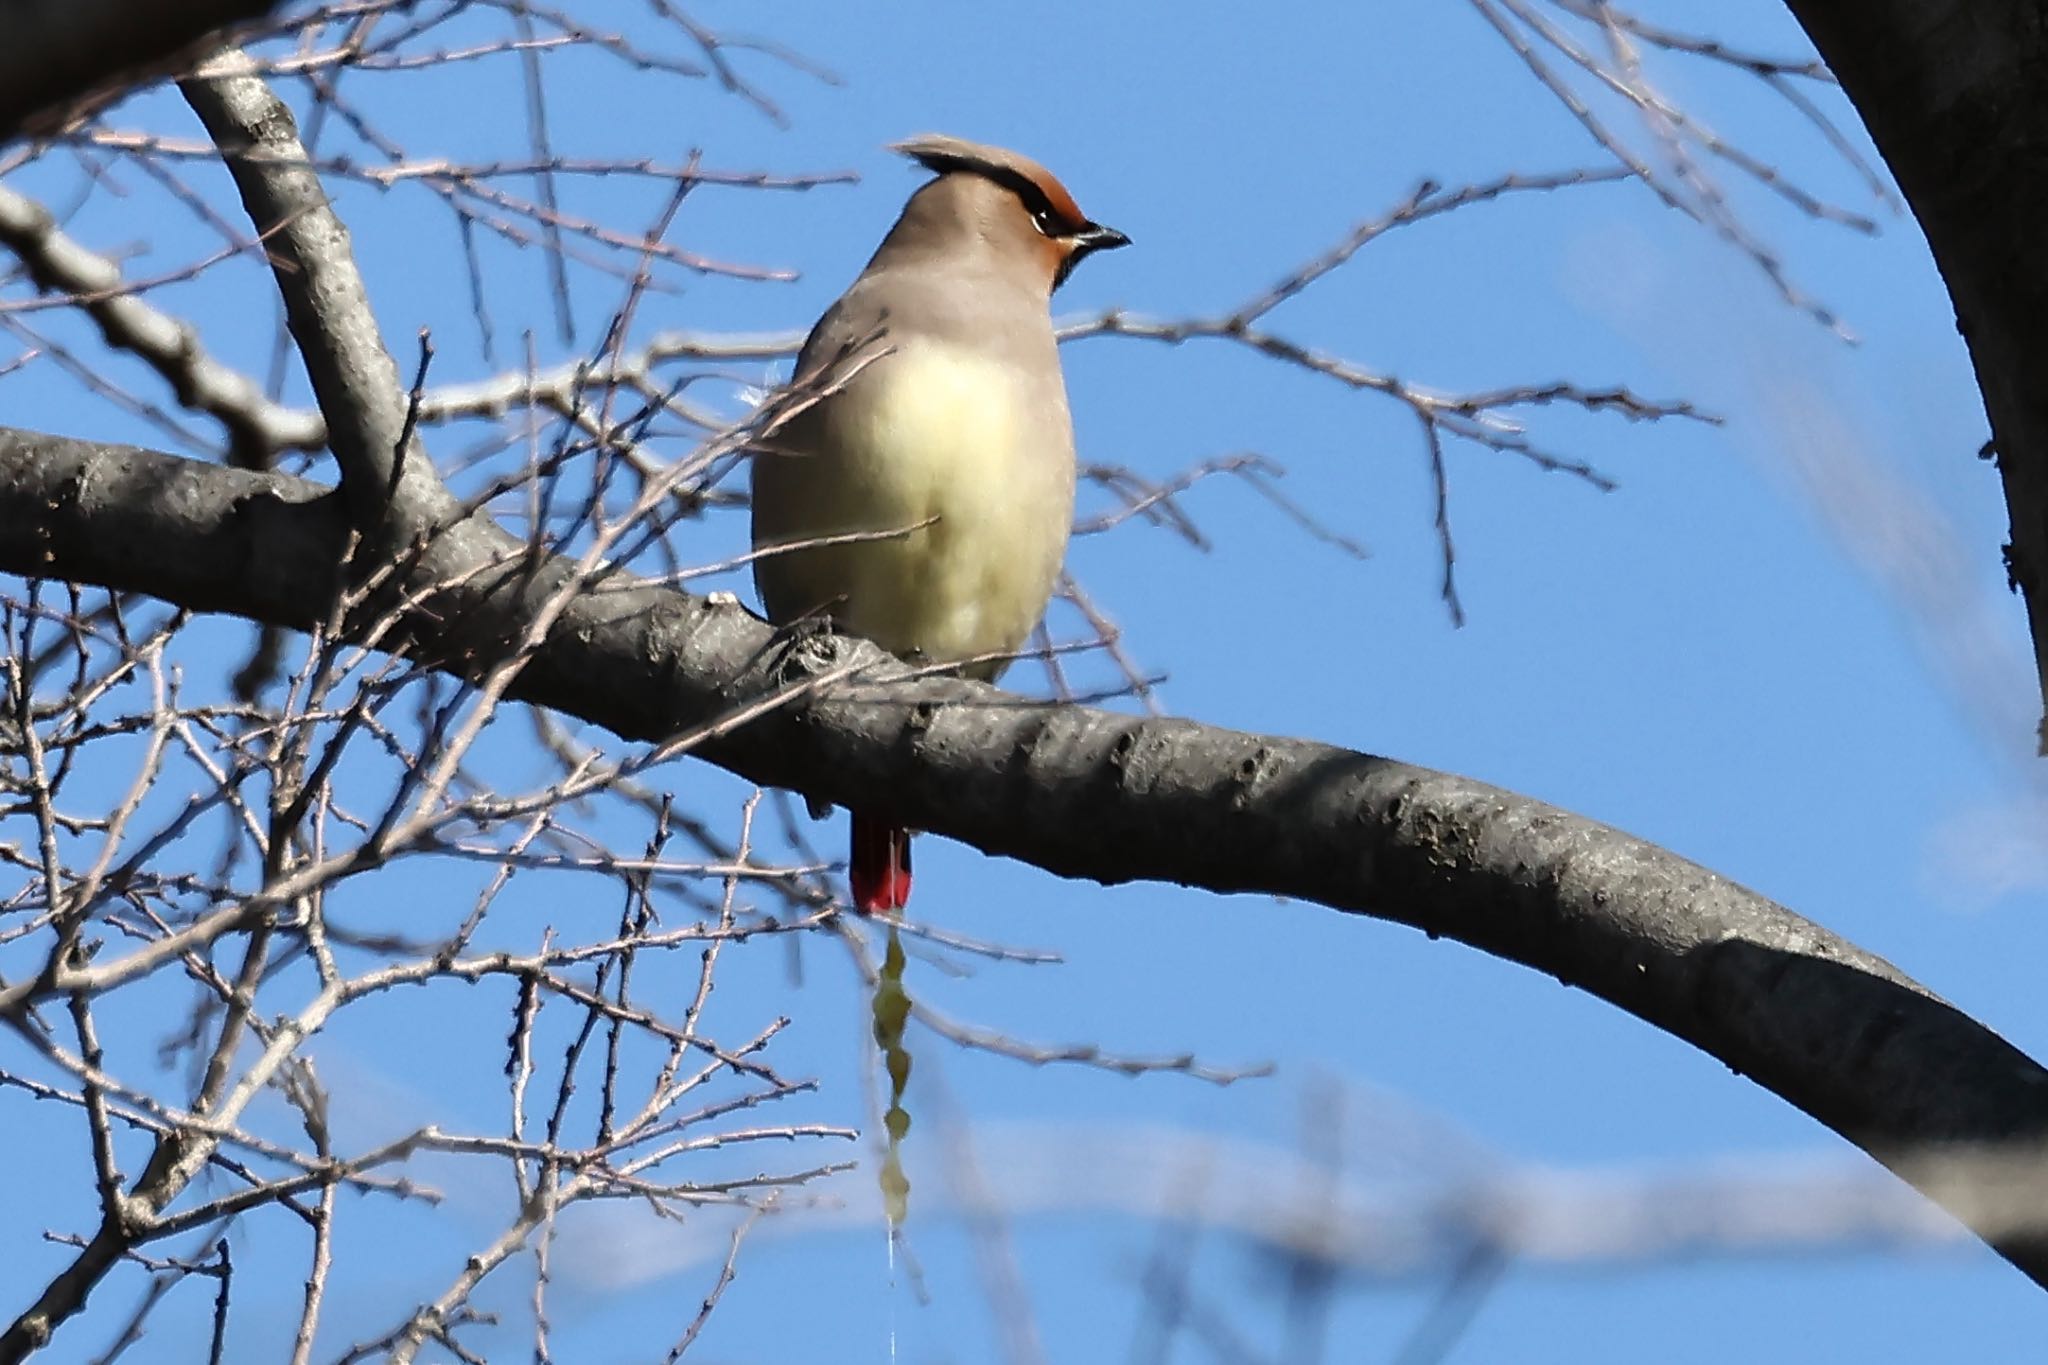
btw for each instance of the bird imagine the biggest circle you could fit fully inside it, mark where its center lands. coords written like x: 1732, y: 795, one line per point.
x: 942, y: 468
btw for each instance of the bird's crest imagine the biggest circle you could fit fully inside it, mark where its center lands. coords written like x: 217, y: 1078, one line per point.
x: 1032, y: 182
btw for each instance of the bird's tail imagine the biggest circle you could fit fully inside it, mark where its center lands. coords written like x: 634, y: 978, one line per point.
x: 880, y: 866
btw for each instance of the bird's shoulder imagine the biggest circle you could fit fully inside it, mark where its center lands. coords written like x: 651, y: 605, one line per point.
x: 903, y: 308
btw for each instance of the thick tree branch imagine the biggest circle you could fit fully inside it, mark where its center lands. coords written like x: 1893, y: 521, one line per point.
x: 385, y: 472
x: 1087, y: 793
x: 1955, y: 94
x: 63, y: 57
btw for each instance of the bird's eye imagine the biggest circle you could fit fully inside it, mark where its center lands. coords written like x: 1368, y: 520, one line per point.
x: 1047, y: 222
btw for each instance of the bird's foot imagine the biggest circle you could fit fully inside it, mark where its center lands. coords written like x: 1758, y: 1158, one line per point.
x: 801, y: 648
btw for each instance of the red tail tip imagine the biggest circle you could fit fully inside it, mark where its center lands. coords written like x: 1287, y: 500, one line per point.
x: 880, y: 865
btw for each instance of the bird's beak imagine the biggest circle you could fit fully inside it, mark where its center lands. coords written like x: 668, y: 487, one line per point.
x: 1096, y: 237
x: 1092, y: 237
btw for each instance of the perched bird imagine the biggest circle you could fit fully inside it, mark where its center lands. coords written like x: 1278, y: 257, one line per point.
x: 950, y: 458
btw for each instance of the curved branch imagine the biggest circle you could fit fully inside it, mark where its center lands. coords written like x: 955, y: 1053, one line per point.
x: 1839, y: 1033
x: 1951, y: 92
x: 59, y: 265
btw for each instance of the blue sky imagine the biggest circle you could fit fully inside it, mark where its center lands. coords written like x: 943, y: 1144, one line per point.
x: 1781, y: 647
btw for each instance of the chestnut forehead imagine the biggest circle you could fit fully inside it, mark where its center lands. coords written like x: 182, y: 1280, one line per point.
x: 1055, y: 193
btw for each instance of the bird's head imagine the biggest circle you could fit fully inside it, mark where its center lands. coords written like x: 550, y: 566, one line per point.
x: 1005, y: 201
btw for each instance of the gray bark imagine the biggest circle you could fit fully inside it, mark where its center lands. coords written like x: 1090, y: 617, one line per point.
x: 61, y: 57
x: 1093, y: 794
x: 1955, y: 95
x: 385, y: 471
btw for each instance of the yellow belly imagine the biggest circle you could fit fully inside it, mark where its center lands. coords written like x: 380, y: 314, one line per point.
x: 968, y: 475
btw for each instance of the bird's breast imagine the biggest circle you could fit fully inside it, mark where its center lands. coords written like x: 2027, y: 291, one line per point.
x: 962, y: 465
